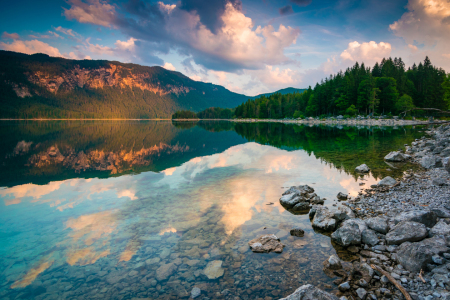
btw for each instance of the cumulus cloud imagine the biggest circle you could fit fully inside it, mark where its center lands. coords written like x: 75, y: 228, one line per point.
x: 426, y: 22
x: 230, y: 43
x: 369, y: 53
x: 276, y: 78
x: 30, y: 47
x: 286, y: 10
x: 13, y: 36
x: 93, y: 12
x: 169, y: 66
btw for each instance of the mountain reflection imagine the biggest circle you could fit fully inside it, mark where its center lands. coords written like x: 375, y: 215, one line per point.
x: 50, y: 151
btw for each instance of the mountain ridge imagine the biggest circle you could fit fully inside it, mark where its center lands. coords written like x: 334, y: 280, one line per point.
x: 38, y: 85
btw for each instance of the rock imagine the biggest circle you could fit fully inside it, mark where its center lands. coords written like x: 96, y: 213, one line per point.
x: 195, y: 292
x: 362, y: 168
x: 441, y: 228
x: 165, y: 271
x: 297, y: 198
x: 348, y: 234
x: 323, y: 219
x: 396, y: 156
x: 378, y: 224
x: 426, y: 217
x: 266, y: 243
x: 439, y: 182
x: 342, y: 196
x: 361, y: 293
x: 290, y: 200
x: 214, y: 269
x: 300, y: 206
x: 333, y: 263
x: 441, y: 212
x: 344, y: 286
x: 309, y: 292
x: 387, y: 181
x: 369, y: 237
x: 297, y: 232
x: 416, y: 256
x: 343, y: 213
x: 406, y: 231
x: 428, y: 162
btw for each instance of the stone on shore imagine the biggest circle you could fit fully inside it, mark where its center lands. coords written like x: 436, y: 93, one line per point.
x: 369, y: 237
x: 387, y: 181
x: 426, y: 217
x: 416, y: 256
x: 266, y: 243
x: 349, y: 233
x: 214, y: 269
x: 333, y: 263
x: 406, y: 231
x: 378, y: 224
x: 309, y: 292
x: 342, y: 196
x: 441, y: 228
x: 396, y: 156
x: 343, y: 213
x: 323, y: 219
x: 428, y: 162
x: 362, y: 169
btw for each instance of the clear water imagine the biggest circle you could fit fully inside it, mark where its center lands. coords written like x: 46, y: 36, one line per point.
x: 123, y: 210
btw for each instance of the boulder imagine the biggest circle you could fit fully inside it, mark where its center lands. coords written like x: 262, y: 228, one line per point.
x: 369, y: 237
x: 300, y: 207
x: 349, y: 233
x: 342, y: 196
x: 266, y: 243
x: 343, y: 213
x: 290, y: 200
x: 309, y: 292
x: 297, y: 198
x: 406, y: 231
x: 441, y: 228
x: 387, y: 181
x: 362, y: 169
x: 333, y: 263
x: 297, y: 232
x: 415, y: 256
x: 378, y: 224
x: 323, y: 219
x: 428, y: 162
x: 441, y: 212
x: 396, y: 156
x: 426, y: 217
x: 214, y: 269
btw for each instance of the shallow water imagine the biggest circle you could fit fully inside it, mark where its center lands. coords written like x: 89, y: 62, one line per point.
x: 122, y: 210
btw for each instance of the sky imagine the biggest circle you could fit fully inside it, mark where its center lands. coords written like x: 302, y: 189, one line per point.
x: 248, y: 46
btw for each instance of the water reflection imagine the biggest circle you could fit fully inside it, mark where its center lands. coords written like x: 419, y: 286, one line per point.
x: 151, y: 235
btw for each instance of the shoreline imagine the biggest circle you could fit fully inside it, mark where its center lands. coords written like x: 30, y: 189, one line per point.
x: 398, y: 231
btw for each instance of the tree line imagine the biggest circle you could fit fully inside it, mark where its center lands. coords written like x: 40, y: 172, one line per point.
x: 387, y: 88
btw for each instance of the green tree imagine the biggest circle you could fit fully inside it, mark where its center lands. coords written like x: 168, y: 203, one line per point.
x: 404, y: 103
x: 388, y: 94
x: 446, y: 87
x: 373, y: 100
x: 351, y: 111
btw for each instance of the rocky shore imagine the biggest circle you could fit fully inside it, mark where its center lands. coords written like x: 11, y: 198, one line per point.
x: 398, y: 230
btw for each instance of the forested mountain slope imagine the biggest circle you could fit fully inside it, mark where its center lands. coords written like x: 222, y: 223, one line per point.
x: 40, y: 86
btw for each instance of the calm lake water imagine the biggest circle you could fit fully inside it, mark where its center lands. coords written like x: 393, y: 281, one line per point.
x: 123, y: 209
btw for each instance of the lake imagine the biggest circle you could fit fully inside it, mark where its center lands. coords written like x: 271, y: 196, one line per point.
x: 151, y: 209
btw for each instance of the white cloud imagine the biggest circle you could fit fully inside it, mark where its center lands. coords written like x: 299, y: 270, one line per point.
x: 94, y: 12
x: 276, y: 78
x: 427, y: 23
x: 369, y: 53
x: 13, y: 36
x: 67, y: 31
x: 169, y: 66
x: 195, y: 77
x: 412, y: 47
x: 30, y: 47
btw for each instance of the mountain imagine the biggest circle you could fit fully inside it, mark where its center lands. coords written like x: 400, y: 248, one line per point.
x: 40, y: 86
x: 289, y: 90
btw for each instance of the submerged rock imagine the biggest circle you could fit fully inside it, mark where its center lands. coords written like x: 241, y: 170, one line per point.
x: 406, y: 231
x: 297, y: 232
x: 362, y: 169
x: 214, y: 269
x: 333, y: 263
x: 165, y: 271
x: 195, y: 292
x: 387, y: 181
x: 266, y: 243
x: 309, y: 292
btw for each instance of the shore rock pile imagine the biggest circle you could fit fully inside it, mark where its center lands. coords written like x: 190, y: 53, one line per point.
x: 399, y: 227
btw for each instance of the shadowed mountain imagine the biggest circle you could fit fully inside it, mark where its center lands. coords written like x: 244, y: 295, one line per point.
x: 40, y: 86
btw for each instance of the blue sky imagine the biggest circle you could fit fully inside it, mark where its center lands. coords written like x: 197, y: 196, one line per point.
x: 249, y: 47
